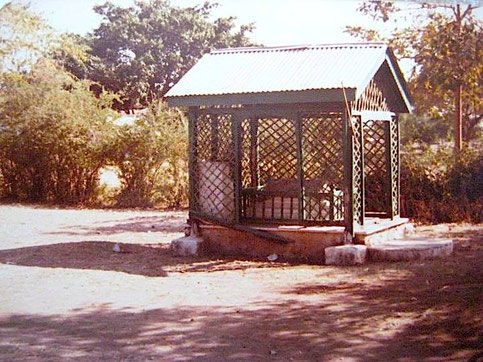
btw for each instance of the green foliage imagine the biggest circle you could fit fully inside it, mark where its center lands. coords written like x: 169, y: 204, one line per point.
x: 53, y: 135
x: 415, y: 128
x: 445, y: 43
x: 150, y: 155
x: 435, y: 188
x: 141, y: 51
x: 24, y: 37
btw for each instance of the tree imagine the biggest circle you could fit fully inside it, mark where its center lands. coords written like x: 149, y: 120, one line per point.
x: 141, y: 51
x: 24, y: 37
x: 445, y: 43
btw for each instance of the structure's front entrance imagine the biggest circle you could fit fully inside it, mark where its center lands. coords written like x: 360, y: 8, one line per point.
x: 292, y: 169
x: 376, y: 150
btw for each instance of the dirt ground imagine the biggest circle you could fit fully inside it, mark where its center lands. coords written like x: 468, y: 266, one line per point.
x: 65, y: 295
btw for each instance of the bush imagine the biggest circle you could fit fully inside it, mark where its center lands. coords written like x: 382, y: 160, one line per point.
x: 53, y: 136
x: 435, y: 188
x: 151, y: 156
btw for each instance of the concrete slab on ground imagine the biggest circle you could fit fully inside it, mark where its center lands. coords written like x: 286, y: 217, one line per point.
x: 418, y: 248
x: 186, y: 245
x: 346, y: 255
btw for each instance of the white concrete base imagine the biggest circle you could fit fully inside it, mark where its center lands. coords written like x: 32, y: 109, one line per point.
x: 186, y: 245
x: 346, y: 255
x: 410, y: 249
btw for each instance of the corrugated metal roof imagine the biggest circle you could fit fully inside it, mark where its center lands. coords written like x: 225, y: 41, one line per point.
x: 265, y: 69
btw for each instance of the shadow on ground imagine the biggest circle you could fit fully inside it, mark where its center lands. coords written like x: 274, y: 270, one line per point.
x: 429, y: 312
x: 353, y: 321
x: 140, y: 224
x: 151, y: 260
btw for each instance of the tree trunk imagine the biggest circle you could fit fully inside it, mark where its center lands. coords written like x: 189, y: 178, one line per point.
x: 458, y: 124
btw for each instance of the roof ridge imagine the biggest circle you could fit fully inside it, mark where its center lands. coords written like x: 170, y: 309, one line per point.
x: 259, y: 49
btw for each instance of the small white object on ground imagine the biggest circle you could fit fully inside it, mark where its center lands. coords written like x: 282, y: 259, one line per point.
x: 116, y: 248
x: 272, y: 257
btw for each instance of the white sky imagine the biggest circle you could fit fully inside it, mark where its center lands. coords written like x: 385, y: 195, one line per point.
x: 277, y: 22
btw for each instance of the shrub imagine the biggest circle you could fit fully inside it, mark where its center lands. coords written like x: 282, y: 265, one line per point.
x: 435, y: 188
x: 53, y: 136
x: 151, y: 156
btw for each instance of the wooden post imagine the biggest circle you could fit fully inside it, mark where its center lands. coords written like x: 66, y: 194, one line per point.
x: 300, y: 166
x: 254, y: 152
x: 363, y: 182
x: 398, y: 150
x: 389, y: 185
x: 236, y: 133
x: 348, y: 187
x: 192, y: 157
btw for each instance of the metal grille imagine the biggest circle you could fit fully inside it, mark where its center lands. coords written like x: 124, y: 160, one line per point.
x: 323, y: 167
x: 357, y: 169
x: 213, y: 166
x: 375, y: 166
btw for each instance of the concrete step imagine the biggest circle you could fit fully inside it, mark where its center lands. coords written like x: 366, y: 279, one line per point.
x: 414, y: 248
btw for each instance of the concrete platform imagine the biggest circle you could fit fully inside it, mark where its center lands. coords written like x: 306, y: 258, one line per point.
x: 410, y: 249
x: 385, y: 240
x: 309, y: 243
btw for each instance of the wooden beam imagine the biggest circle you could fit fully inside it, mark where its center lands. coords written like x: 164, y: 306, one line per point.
x: 260, y: 233
x: 192, y: 155
x: 306, y: 96
x: 388, y: 149
x: 363, y: 181
x: 236, y: 134
x: 300, y: 166
x: 348, y: 187
x: 398, y: 150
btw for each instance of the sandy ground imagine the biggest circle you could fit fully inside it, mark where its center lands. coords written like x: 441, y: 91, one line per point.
x: 65, y: 295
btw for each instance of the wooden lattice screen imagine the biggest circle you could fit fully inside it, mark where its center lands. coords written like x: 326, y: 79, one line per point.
x: 358, y: 208
x: 375, y: 166
x: 372, y: 99
x: 394, y: 176
x: 323, y: 166
x: 247, y: 168
x: 213, y: 165
x: 269, y: 170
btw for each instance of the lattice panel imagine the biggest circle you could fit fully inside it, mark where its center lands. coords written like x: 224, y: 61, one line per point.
x: 214, y: 165
x: 357, y: 170
x: 395, y: 165
x: 375, y: 168
x: 204, y: 131
x: 277, y: 150
x: 322, y: 150
x: 372, y: 99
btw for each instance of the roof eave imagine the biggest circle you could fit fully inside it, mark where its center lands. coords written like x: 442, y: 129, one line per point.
x: 284, y: 97
x: 399, y: 79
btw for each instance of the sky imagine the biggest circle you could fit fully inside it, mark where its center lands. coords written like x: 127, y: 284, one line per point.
x: 277, y: 22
